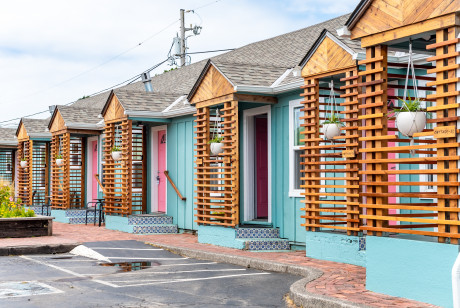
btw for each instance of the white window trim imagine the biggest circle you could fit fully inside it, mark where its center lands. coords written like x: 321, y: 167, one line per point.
x: 294, y: 193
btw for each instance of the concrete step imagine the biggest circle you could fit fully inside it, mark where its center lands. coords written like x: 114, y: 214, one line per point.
x: 256, y: 233
x: 155, y: 229
x: 150, y: 220
x: 264, y: 244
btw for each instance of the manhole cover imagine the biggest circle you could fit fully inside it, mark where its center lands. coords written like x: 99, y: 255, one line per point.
x: 25, y: 288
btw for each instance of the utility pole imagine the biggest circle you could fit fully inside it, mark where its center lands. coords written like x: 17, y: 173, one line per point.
x: 182, y: 38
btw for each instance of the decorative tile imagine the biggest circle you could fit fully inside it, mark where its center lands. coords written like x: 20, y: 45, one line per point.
x: 150, y: 220
x: 154, y: 229
x: 268, y: 244
x: 81, y: 220
x: 362, y: 243
x: 257, y: 233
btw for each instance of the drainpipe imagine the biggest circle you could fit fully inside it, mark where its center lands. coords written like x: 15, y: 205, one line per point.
x: 456, y: 282
x: 147, y: 82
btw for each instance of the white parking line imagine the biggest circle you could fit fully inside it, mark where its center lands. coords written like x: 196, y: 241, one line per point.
x: 192, y: 279
x: 137, y: 259
x: 69, y: 271
x: 110, y: 248
x: 180, y: 272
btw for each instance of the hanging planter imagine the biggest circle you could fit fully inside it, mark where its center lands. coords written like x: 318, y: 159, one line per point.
x: 116, y: 153
x: 23, y: 163
x: 216, y: 145
x: 59, y: 160
x: 410, y: 119
x: 331, y: 127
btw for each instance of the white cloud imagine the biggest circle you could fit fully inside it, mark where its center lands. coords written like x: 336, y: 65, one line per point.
x: 43, y: 43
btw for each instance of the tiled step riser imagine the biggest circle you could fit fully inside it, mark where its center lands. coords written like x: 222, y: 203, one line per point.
x: 255, y: 233
x: 261, y: 245
x: 150, y: 220
x: 155, y: 229
x: 82, y: 220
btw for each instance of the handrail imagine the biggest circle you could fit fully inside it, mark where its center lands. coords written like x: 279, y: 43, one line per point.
x: 99, y: 182
x: 174, y: 186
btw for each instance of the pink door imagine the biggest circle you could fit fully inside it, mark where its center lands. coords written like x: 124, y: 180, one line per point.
x: 161, y: 170
x: 261, y: 167
x: 94, y: 171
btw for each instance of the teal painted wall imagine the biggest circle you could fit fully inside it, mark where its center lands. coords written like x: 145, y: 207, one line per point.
x: 335, y: 246
x: 285, y: 210
x: 413, y: 269
x: 180, y: 164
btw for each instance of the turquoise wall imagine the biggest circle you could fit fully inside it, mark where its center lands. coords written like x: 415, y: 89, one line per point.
x: 180, y: 162
x: 285, y: 210
x: 337, y: 247
x: 412, y: 269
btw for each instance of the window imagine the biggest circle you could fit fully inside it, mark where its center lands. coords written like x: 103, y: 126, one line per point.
x: 295, y: 152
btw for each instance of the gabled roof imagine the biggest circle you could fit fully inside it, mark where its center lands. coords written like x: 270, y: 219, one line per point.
x: 357, y: 12
x: 348, y: 45
x: 77, y: 117
x: 8, y: 137
x: 36, y: 128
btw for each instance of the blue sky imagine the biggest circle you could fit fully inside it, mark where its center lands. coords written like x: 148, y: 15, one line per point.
x: 45, y: 43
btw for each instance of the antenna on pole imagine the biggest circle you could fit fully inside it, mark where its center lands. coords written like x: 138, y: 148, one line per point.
x: 182, y: 39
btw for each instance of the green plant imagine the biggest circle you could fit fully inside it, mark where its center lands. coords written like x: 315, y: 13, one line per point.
x: 216, y: 139
x: 333, y: 119
x: 23, y: 159
x: 409, y: 105
x: 116, y: 149
x: 59, y: 156
x: 8, y: 206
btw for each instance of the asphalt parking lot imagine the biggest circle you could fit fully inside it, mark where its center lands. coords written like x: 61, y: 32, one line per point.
x: 138, y: 275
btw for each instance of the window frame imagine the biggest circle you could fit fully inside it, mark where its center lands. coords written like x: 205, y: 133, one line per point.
x: 293, y: 192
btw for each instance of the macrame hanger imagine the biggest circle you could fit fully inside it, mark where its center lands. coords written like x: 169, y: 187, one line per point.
x: 332, y: 103
x: 410, y: 70
x: 217, y: 124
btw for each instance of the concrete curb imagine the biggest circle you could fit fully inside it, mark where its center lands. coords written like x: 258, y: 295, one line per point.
x: 297, y: 292
x: 37, y: 249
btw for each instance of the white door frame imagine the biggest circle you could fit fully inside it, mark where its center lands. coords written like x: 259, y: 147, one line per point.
x: 248, y: 161
x: 154, y: 163
x: 89, y: 167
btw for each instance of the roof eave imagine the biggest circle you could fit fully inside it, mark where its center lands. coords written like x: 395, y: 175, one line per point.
x: 357, y: 13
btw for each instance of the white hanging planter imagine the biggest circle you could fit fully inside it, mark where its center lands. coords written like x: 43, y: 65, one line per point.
x: 23, y: 163
x: 116, y: 155
x: 331, y: 130
x: 216, y: 148
x: 59, y: 161
x: 409, y: 123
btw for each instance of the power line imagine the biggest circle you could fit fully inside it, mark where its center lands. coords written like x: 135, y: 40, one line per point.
x: 207, y: 4
x: 208, y: 51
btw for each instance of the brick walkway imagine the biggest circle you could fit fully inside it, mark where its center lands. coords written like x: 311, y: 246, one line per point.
x: 343, y: 281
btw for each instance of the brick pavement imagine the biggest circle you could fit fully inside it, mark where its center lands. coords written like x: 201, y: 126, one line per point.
x: 342, y: 281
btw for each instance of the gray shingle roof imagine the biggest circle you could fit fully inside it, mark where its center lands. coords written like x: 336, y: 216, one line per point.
x: 250, y: 75
x: 77, y: 114
x: 145, y: 101
x: 8, y: 136
x: 36, y: 126
x: 96, y: 101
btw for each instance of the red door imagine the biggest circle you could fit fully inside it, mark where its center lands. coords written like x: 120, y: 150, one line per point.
x: 161, y: 170
x: 94, y: 171
x: 261, y: 176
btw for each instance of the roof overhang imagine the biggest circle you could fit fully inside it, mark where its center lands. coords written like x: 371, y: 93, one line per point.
x: 270, y: 90
x: 357, y: 13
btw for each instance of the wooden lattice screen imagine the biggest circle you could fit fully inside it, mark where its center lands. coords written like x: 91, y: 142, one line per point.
x: 331, y: 206
x: 124, y: 180
x: 6, y: 166
x: 68, y: 180
x: 39, y: 172
x: 417, y: 216
x: 25, y: 174
x: 217, y: 186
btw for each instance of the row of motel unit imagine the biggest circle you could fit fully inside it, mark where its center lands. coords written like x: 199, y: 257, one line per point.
x: 361, y: 199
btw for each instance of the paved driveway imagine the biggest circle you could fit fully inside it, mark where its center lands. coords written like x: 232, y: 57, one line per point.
x: 139, y: 275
